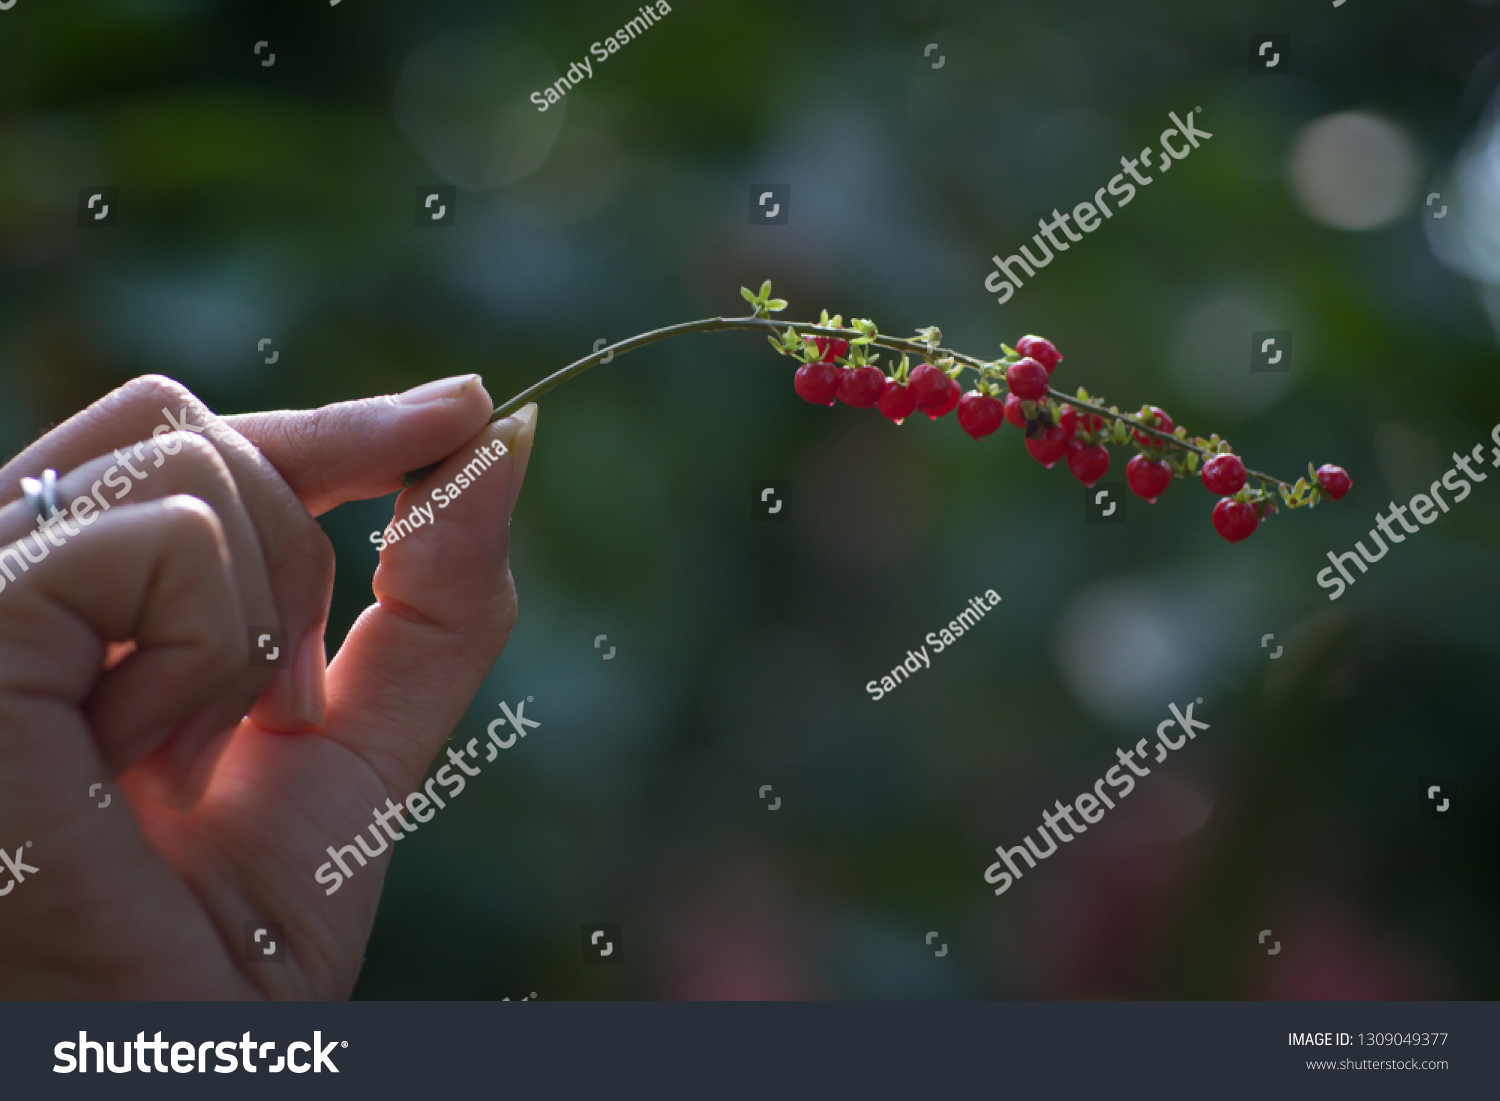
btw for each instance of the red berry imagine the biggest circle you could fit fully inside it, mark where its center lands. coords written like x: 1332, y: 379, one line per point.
x: 1163, y: 424
x: 979, y: 414
x: 1334, y: 481
x: 1040, y: 350
x: 1051, y: 445
x: 1092, y: 423
x: 955, y: 391
x: 861, y: 387
x: 817, y: 382
x: 1027, y: 379
x: 1224, y: 475
x: 829, y: 347
x: 928, y: 385
x: 1069, y: 420
x: 1235, y: 520
x: 1148, y: 479
x: 1088, y: 462
x: 897, y: 401
x: 1014, y: 412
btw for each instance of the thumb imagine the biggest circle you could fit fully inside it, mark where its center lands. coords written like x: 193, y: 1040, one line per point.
x: 412, y: 663
x: 354, y: 450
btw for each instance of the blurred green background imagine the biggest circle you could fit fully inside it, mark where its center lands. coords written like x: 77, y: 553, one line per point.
x: 277, y: 201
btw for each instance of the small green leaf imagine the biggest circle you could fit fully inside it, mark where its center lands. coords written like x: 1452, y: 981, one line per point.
x: 745, y: 293
x: 765, y: 290
x: 776, y: 305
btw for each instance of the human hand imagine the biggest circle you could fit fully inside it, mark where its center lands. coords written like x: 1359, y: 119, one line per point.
x: 124, y: 653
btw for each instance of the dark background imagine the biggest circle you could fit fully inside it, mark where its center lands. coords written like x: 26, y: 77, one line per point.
x: 278, y: 202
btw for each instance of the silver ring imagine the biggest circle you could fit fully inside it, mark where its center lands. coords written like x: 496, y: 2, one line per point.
x: 41, y: 496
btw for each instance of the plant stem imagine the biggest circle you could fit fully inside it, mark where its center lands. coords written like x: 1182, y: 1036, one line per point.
x: 771, y: 327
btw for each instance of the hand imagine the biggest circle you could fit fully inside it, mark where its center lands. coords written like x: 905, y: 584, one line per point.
x: 124, y: 654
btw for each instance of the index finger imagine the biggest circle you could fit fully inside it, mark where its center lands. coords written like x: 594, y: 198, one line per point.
x: 355, y: 450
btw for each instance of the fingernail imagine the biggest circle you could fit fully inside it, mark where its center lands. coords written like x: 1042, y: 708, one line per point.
x: 309, y: 698
x: 521, y: 450
x: 509, y: 428
x: 440, y: 390
x: 527, y: 416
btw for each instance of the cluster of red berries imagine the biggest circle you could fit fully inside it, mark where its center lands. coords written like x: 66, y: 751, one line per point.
x: 927, y: 388
x: 1235, y: 517
x: 1054, y: 430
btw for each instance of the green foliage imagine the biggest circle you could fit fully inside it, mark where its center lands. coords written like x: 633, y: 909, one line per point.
x: 789, y: 342
x: 1303, y: 494
x: 764, y: 304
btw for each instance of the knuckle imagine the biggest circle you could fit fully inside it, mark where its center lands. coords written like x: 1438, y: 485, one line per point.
x: 193, y: 518
x: 197, y: 449
x: 150, y: 389
x: 188, y: 464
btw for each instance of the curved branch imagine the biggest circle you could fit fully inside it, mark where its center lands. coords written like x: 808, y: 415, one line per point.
x: 771, y: 327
